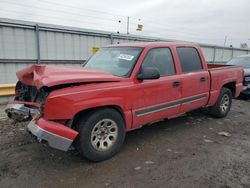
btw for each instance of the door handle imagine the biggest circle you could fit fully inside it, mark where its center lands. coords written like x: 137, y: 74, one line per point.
x: 202, y: 79
x: 176, y: 84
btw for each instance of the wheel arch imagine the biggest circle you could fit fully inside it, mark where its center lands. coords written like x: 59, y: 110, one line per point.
x: 231, y: 86
x: 88, y: 111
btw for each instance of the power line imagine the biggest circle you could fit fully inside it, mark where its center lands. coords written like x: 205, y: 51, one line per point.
x: 48, y: 9
x: 95, y: 17
x: 147, y: 21
x: 137, y: 19
x: 59, y: 18
x: 156, y: 25
x: 81, y: 8
x: 91, y: 23
x: 131, y: 18
x: 66, y: 12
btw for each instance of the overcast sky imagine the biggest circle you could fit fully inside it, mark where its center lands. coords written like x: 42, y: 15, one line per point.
x: 206, y: 21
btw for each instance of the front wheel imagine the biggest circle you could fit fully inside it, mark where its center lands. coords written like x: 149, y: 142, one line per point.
x: 101, y: 134
x: 223, y: 104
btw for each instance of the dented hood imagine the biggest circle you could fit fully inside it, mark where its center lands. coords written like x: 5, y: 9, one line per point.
x: 42, y: 75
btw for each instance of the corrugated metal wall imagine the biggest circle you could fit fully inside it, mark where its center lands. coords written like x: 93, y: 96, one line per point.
x: 25, y: 43
x: 66, y: 46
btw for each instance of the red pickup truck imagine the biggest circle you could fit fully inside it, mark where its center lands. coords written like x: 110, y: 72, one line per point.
x: 120, y: 88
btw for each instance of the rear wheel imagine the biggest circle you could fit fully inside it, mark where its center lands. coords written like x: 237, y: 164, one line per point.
x: 223, y: 104
x: 101, y: 134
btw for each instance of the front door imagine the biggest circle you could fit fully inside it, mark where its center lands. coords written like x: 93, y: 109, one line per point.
x: 157, y: 99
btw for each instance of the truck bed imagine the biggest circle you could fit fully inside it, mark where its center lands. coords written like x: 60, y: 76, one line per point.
x: 221, y: 74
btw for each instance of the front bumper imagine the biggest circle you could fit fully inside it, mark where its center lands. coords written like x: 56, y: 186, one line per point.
x: 57, y: 135
x: 20, y: 112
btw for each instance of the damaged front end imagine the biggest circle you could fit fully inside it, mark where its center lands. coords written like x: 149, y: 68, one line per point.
x: 32, y: 100
x: 27, y: 104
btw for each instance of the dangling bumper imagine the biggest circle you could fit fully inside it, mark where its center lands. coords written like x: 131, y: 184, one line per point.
x: 57, y: 135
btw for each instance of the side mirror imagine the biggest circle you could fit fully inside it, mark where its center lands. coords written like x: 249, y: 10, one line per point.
x: 148, y: 73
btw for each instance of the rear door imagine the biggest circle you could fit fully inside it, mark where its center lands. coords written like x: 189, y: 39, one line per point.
x: 195, y: 80
x: 157, y: 99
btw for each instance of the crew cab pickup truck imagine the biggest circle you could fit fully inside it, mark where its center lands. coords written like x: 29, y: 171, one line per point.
x: 120, y: 88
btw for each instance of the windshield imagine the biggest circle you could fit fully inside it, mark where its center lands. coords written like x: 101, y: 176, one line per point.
x: 119, y: 61
x: 241, y: 61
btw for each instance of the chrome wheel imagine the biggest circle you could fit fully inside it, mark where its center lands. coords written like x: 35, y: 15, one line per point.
x: 104, y: 134
x: 225, y: 102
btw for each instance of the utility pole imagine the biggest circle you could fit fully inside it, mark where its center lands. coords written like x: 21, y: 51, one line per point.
x: 225, y: 40
x: 37, y: 43
x: 127, y: 25
x: 222, y: 56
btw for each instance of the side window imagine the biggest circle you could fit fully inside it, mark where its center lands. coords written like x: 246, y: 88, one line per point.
x: 161, y: 58
x: 189, y: 59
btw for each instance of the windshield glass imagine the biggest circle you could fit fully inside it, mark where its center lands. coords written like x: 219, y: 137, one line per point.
x: 241, y: 61
x: 117, y: 60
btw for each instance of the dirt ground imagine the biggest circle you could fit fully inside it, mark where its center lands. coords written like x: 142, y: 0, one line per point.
x: 182, y: 152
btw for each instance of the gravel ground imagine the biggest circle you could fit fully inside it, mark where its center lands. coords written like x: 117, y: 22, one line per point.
x: 182, y: 152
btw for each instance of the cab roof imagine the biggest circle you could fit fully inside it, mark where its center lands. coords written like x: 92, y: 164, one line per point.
x: 154, y: 44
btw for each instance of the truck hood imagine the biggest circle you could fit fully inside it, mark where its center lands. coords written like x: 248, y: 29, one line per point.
x: 42, y: 75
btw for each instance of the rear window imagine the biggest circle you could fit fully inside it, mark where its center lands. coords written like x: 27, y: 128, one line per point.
x: 189, y: 59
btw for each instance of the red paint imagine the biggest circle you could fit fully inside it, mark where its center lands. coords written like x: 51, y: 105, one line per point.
x: 57, y: 128
x: 129, y: 94
x: 41, y: 75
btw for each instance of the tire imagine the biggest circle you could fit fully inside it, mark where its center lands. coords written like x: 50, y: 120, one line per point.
x: 223, y: 104
x: 101, y: 134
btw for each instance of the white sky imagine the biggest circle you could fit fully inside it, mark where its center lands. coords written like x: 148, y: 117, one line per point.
x: 206, y: 21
